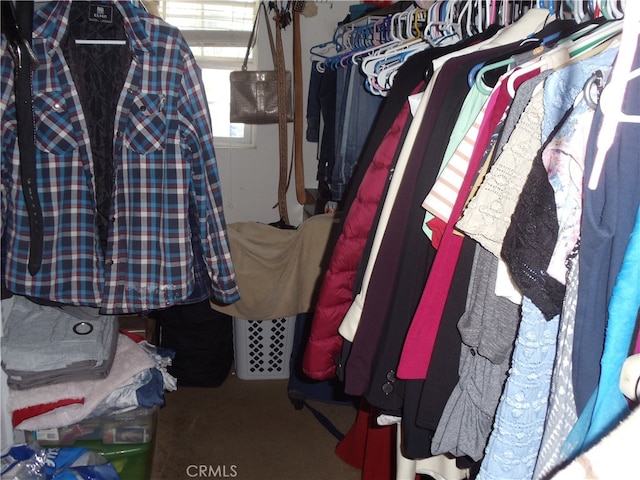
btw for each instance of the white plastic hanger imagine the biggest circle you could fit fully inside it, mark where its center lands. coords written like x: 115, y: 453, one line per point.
x: 440, y: 25
x: 613, y: 93
x: 380, y: 64
x: 594, y: 37
x: 86, y: 41
x: 539, y: 64
x: 608, y: 102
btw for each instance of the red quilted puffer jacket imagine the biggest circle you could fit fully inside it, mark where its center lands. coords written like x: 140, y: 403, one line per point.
x: 336, y: 292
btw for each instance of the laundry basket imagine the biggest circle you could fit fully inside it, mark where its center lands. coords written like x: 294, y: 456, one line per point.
x: 263, y: 348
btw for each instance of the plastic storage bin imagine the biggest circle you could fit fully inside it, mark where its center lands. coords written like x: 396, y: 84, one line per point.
x: 126, y: 440
x: 131, y: 461
x: 135, y: 426
x: 262, y: 348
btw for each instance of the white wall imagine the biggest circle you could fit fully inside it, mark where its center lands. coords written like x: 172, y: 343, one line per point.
x: 249, y: 176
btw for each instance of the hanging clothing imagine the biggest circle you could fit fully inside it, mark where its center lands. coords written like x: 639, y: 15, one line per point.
x: 606, y: 226
x: 564, y: 158
x: 418, y: 346
x: 321, y: 111
x: 385, y: 389
x: 481, y: 373
x: 122, y: 158
x: 355, y: 114
x: 515, y: 440
x: 488, y: 329
x: 335, y: 295
x: 527, y: 251
x: 359, y: 215
x: 396, y: 287
x: 429, y: 336
x: 561, y: 412
x: 361, y: 356
x: 607, y: 406
x: 402, y: 269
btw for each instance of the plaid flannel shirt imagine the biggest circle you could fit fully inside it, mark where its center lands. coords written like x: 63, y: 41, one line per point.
x: 164, y: 166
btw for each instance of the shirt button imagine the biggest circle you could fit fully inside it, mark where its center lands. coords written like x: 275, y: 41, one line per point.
x: 391, y: 376
x: 143, y: 108
x: 119, y: 134
x: 387, y: 388
x: 108, y: 262
x: 472, y: 352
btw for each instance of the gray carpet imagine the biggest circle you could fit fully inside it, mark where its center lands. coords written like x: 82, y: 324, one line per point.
x: 247, y: 430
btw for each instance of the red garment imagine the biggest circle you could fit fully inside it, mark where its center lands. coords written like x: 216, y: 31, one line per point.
x: 22, y: 414
x: 336, y: 292
x: 368, y: 446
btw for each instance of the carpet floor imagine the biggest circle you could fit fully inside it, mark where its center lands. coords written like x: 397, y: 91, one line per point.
x: 247, y: 430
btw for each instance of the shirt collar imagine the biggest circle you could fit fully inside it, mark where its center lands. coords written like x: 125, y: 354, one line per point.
x: 51, y: 21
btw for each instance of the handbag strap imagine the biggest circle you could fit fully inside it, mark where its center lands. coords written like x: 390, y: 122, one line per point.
x: 283, y: 183
x: 298, y: 126
x: 254, y: 36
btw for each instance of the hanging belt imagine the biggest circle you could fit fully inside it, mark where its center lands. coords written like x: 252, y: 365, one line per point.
x: 282, y: 127
x: 17, y: 23
x: 298, y: 120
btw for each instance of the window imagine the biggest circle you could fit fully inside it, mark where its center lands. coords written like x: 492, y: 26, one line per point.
x: 218, y: 32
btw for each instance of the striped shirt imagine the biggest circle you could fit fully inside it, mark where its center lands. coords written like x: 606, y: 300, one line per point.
x: 164, y: 216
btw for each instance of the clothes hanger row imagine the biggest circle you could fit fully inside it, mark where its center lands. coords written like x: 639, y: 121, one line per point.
x: 553, y: 54
x: 583, y: 40
x: 563, y: 51
x: 590, y: 9
x: 435, y: 26
x: 372, y: 30
x: 401, y: 35
x: 381, y: 44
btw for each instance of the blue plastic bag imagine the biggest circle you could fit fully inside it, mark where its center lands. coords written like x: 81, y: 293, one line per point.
x: 32, y: 462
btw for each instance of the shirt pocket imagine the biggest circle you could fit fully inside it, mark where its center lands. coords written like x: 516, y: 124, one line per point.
x: 147, y: 126
x: 54, y: 132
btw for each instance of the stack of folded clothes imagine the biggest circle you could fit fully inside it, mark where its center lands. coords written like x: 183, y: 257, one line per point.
x: 67, y: 364
x: 42, y: 344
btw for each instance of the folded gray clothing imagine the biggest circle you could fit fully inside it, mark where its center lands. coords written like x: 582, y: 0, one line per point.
x: 40, y: 340
x: 76, y: 372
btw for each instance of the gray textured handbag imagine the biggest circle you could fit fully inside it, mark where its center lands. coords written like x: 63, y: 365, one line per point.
x: 254, y: 93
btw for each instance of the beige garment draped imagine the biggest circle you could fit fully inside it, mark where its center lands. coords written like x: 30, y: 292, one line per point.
x: 278, y: 271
